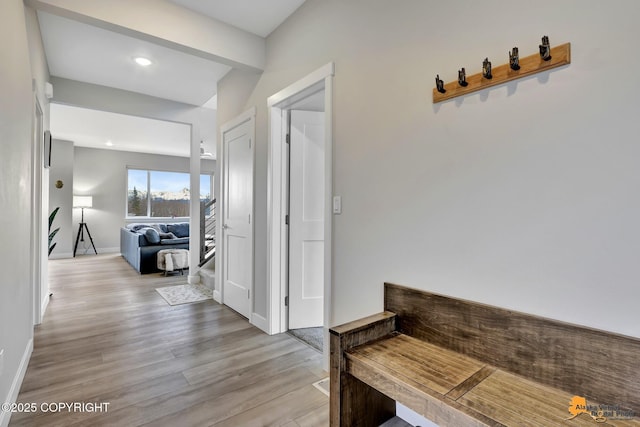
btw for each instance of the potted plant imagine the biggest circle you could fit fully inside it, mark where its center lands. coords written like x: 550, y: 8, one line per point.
x: 54, y: 232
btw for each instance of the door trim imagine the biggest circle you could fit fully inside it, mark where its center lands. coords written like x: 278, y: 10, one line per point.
x: 277, y: 196
x: 38, y: 233
x: 218, y: 292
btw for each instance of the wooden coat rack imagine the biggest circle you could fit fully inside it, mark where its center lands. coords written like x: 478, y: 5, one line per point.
x: 529, y: 65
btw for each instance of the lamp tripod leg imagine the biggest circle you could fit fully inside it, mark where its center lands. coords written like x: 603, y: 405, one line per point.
x: 75, y: 248
x: 89, y: 234
x: 83, y: 226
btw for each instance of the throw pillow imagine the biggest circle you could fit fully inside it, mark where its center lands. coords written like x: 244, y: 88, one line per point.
x: 167, y: 236
x: 152, y: 235
x: 180, y: 230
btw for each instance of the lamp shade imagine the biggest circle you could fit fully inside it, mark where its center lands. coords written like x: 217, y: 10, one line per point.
x: 82, y: 201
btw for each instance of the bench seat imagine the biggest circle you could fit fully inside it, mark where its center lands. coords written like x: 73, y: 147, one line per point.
x: 418, y: 374
x: 463, y: 364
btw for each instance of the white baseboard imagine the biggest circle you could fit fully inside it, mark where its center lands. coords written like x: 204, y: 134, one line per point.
x: 61, y: 255
x: 45, y: 304
x: 217, y: 297
x: 193, y: 279
x: 83, y: 251
x: 89, y: 251
x: 108, y: 250
x: 17, y: 383
x: 260, y: 322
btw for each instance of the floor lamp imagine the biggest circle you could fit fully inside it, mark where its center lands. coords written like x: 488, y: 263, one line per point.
x: 83, y: 202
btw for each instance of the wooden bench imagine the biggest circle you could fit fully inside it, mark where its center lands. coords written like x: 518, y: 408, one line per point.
x: 460, y: 363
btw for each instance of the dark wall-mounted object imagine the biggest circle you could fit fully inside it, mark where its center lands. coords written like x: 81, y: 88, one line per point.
x: 545, y: 49
x: 439, y: 84
x: 486, y: 69
x: 47, y: 149
x: 462, y: 77
x: 514, y: 59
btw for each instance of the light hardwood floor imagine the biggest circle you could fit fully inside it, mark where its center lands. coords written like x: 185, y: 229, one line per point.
x: 108, y: 336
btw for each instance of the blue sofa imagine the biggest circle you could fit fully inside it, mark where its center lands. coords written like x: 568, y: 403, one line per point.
x: 140, y: 243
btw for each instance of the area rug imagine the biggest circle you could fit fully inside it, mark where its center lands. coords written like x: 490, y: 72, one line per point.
x: 310, y: 336
x: 185, y: 294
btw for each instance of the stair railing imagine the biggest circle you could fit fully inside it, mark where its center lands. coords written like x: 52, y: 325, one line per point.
x: 207, y: 231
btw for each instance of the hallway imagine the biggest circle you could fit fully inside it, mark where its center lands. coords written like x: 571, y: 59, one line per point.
x: 108, y: 336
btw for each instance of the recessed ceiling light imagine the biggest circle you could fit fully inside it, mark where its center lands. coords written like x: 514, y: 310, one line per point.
x: 142, y: 61
x: 109, y: 144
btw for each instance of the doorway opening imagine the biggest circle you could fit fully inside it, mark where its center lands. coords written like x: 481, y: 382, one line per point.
x: 299, y: 200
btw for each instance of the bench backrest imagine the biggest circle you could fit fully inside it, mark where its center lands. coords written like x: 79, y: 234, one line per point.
x: 601, y: 366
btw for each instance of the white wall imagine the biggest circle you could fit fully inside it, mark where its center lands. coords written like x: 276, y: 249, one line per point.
x: 40, y: 75
x: 16, y: 112
x: 521, y: 196
x: 103, y: 175
x: 62, y: 170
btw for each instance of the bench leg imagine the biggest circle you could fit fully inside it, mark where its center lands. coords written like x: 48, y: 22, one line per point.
x: 353, y: 403
x: 360, y: 405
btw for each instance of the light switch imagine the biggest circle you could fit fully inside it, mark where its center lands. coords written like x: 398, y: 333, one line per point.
x: 337, y: 205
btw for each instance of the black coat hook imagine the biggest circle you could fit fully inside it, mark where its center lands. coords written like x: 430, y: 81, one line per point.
x: 514, y: 59
x: 486, y: 69
x: 462, y: 77
x: 440, y: 84
x: 545, y: 49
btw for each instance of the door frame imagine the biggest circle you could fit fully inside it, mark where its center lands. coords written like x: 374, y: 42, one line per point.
x: 39, y: 233
x: 277, y: 197
x: 218, y: 292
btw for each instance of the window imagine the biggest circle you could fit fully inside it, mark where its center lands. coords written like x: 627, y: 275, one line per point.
x: 162, y: 194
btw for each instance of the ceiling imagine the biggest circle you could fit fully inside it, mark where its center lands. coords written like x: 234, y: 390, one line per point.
x: 86, y: 53
x: 111, y: 131
x: 259, y: 17
x: 82, y: 52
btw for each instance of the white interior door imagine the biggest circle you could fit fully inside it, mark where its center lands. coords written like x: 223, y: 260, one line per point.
x: 306, y: 219
x: 237, y: 210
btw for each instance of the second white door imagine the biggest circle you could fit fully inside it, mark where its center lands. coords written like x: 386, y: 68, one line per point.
x: 306, y: 219
x: 237, y: 230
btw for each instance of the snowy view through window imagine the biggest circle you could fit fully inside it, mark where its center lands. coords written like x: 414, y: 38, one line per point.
x: 162, y: 194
